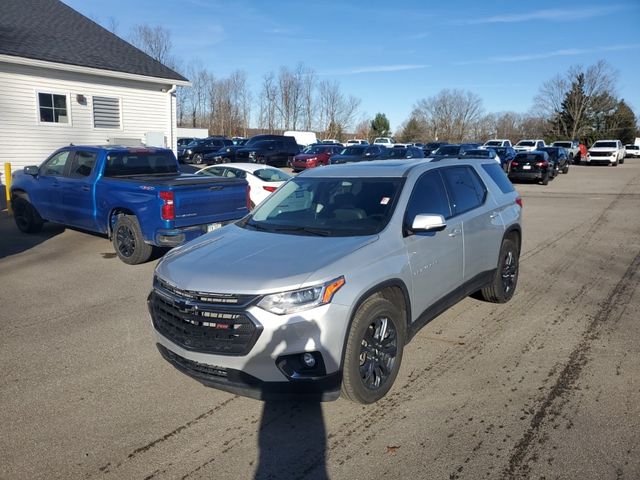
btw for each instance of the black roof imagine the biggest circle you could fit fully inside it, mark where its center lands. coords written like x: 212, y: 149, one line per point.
x: 52, y: 31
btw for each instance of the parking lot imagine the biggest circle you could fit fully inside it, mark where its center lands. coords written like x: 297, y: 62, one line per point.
x: 545, y: 386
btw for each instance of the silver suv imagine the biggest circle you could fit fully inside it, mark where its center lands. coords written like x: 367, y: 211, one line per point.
x: 319, y: 289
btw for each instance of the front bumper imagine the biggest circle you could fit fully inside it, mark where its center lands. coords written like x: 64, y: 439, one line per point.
x: 266, y: 362
x: 601, y: 160
x: 322, y: 389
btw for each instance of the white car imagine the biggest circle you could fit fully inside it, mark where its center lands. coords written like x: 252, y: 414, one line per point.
x: 388, y: 142
x: 529, y: 145
x: 610, y: 152
x: 263, y: 180
x: 498, y: 142
x: 357, y: 141
x: 632, y: 150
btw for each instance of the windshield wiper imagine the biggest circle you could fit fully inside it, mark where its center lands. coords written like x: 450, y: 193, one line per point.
x: 313, y: 231
x: 257, y: 226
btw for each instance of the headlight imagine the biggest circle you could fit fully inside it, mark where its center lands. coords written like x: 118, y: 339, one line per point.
x: 312, y: 159
x: 296, y: 300
x: 189, y: 151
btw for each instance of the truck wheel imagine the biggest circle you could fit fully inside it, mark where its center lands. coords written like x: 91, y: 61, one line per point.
x: 27, y: 219
x: 374, y: 350
x: 545, y: 179
x: 505, y: 279
x: 128, y: 241
x: 197, y: 158
x: 565, y: 170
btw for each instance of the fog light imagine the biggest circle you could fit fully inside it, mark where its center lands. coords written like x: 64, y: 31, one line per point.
x: 308, y: 360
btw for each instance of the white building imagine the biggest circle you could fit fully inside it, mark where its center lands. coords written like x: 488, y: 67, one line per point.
x: 65, y: 79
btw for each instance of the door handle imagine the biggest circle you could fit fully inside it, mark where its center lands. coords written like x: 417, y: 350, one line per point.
x: 455, y: 232
x: 86, y: 188
x: 493, y: 215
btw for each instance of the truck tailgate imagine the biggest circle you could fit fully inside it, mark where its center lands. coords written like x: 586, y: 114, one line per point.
x: 216, y: 201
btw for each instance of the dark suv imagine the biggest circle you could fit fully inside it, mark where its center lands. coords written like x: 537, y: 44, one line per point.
x: 196, y: 150
x: 275, y: 150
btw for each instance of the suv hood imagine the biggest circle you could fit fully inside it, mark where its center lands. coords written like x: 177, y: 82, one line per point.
x: 243, y: 261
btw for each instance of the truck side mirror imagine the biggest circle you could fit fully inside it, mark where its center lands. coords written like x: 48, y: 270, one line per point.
x: 32, y: 170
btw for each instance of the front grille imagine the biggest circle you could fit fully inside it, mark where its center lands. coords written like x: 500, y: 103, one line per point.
x: 204, y: 297
x: 202, y: 326
x: 600, y: 154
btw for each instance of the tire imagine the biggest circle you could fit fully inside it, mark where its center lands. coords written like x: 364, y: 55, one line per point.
x: 27, y: 218
x: 545, y: 180
x: 621, y: 160
x: 128, y: 241
x: 505, y: 279
x: 615, y: 164
x: 369, y: 371
x: 198, y: 158
x: 565, y: 170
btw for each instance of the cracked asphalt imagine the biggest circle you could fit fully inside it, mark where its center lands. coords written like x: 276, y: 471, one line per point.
x: 546, y: 386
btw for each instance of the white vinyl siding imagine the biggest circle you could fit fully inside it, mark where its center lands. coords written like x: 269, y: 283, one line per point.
x: 106, y: 112
x: 144, y: 107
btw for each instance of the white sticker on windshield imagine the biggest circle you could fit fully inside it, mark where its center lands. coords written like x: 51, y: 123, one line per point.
x: 384, y: 200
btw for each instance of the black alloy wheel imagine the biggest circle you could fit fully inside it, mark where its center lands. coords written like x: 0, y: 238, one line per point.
x: 378, y: 352
x: 126, y: 241
x: 509, y: 273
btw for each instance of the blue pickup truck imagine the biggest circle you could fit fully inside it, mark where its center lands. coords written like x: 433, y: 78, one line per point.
x: 136, y: 196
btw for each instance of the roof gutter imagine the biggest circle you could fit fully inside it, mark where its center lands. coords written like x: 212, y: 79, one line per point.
x: 31, y: 62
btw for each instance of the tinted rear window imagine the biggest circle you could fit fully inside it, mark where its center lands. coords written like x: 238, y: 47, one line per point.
x: 498, y: 176
x: 139, y: 163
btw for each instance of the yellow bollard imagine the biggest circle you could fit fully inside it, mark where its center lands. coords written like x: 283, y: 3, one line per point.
x: 7, y: 186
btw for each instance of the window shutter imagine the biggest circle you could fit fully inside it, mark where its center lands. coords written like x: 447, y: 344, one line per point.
x: 106, y: 112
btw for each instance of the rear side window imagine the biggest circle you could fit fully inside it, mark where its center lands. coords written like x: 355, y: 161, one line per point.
x: 428, y: 196
x: 465, y: 188
x: 82, y: 164
x: 271, y: 175
x: 139, y: 163
x: 498, y: 176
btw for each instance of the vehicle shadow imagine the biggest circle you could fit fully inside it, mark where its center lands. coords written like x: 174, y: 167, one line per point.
x: 292, y: 437
x: 13, y: 241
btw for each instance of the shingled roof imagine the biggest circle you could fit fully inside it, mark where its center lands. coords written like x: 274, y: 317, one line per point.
x: 52, y: 31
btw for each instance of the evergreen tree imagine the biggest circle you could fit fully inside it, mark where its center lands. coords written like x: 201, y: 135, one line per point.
x: 380, y: 125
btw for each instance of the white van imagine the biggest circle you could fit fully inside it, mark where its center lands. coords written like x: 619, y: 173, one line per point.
x: 302, y: 138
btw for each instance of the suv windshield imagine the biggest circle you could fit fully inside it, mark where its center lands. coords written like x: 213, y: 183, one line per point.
x: 527, y: 143
x: 605, y: 145
x: 328, y: 207
x: 447, y: 150
x: 353, y: 151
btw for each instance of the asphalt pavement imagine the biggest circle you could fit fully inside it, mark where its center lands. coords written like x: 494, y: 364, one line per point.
x: 545, y: 386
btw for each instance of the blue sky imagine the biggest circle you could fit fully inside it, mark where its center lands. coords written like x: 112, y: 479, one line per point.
x: 391, y: 54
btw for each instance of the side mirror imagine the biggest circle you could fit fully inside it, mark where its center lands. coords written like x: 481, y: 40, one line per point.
x: 428, y: 223
x: 32, y: 170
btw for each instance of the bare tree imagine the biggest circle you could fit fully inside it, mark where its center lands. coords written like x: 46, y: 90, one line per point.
x: 450, y: 114
x: 268, y: 96
x: 154, y: 41
x: 570, y: 101
x: 336, y: 111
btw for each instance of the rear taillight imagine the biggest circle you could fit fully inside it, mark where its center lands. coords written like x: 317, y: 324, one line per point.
x: 542, y: 164
x: 270, y: 189
x: 168, y: 208
x: 248, y: 197
x: 514, y: 163
x: 519, y: 202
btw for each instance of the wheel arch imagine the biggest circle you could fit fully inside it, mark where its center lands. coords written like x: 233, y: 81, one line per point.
x: 514, y: 232
x: 113, y: 217
x: 395, y: 291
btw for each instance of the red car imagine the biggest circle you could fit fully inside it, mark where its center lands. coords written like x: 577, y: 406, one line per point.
x: 314, y: 156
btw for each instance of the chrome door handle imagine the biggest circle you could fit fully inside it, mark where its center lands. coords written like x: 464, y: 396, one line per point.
x: 86, y: 188
x: 455, y: 232
x: 493, y: 215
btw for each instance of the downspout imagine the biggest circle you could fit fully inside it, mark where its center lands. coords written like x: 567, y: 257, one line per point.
x: 172, y: 140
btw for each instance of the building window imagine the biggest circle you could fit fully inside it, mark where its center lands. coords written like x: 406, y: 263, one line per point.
x: 106, y: 112
x: 53, y: 108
